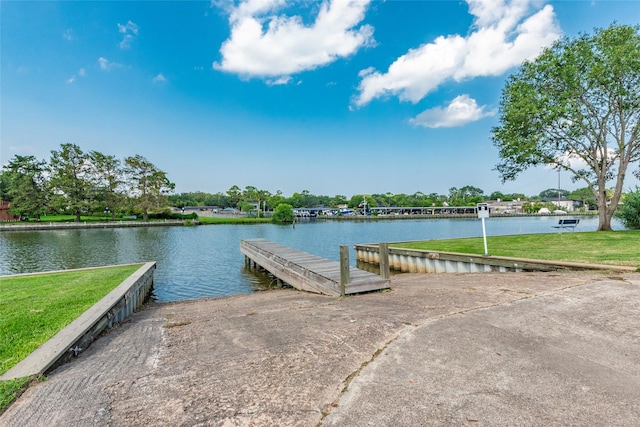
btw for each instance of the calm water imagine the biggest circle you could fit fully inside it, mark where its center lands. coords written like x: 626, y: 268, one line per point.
x: 205, y: 261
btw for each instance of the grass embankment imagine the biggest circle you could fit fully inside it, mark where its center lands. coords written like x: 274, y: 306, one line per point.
x: 602, y: 247
x: 34, y: 308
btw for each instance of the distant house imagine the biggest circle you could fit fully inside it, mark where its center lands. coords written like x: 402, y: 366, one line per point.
x: 505, y: 207
x: 563, y: 203
x: 5, y: 215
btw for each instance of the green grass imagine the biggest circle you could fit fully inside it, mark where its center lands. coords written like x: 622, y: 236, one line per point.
x: 34, y: 308
x: 10, y: 390
x: 612, y: 248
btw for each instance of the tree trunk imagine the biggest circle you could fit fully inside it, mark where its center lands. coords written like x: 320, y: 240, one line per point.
x: 604, y: 218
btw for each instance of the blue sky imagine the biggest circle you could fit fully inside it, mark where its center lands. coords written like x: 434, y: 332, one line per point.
x: 334, y: 97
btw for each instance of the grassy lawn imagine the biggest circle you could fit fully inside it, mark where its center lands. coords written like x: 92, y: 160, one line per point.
x: 34, y: 308
x: 613, y: 247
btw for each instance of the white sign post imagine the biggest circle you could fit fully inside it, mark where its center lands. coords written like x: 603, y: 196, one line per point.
x: 483, y: 212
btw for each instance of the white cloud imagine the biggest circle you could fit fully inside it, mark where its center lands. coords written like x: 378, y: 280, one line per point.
x: 266, y: 43
x: 504, y: 34
x: 129, y: 30
x: 160, y: 78
x: 81, y: 73
x: 575, y: 160
x: 68, y: 35
x: 462, y: 110
x: 278, y: 81
x: 106, y: 65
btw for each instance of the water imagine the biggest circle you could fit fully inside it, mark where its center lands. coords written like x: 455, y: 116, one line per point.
x: 205, y: 261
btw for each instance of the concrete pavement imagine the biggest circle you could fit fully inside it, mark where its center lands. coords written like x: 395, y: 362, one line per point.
x: 472, y: 349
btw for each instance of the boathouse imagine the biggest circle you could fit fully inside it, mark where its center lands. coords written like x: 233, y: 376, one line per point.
x: 5, y: 215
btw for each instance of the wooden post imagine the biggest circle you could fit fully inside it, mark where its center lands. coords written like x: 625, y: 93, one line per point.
x: 345, y: 279
x: 383, y: 252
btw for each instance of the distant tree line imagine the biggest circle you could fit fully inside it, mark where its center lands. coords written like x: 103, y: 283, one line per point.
x: 247, y: 199
x: 74, y: 182
x: 78, y: 183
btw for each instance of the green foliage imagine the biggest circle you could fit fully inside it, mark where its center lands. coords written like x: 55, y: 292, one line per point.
x: 233, y: 220
x: 465, y: 196
x: 245, y: 206
x: 199, y: 198
x: 235, y: 195
x: 70, y: 179
x: 283, y: 213
x: 147, y: 183
x: 107, y: 185
x: 358, y: 200
x: 4, y: 187
x: 167, y: 214
x: 579, y: 100
x: 552, y: 193
x: 76, y: 183
x: 23, y: 183
x: 629, y: 212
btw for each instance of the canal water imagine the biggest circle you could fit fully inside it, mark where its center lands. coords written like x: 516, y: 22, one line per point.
x: 205, y: 261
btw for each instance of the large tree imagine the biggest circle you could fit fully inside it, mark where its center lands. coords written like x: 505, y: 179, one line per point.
x: 70, y: 179
x: 107, y: 182
x: 577, y: 108
x: 24, y: 183
x: 148, y: 184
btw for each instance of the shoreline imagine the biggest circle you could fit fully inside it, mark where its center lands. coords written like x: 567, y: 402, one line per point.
x: 18, y: 226
x: 88, y: 225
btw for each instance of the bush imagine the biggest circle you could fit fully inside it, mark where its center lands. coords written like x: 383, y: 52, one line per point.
x: 283, y: 213
x: 168, y: 215
x: 629, y: 212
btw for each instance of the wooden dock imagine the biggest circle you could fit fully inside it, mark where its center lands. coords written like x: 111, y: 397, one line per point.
x: 309, y: 272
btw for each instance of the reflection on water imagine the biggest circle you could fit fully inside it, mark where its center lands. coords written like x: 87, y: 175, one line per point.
x: 205, y: 261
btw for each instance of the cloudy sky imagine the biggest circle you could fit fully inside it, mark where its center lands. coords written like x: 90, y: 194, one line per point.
x: 334, y: 97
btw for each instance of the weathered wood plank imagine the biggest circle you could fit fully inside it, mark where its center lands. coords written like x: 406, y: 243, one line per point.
x: 308, y: 272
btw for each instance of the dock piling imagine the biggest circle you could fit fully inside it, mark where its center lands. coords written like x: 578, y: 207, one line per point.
x: 385, y: 272
x: 345, y: 278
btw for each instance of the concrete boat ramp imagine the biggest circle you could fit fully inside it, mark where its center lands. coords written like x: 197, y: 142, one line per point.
x: 489, y: 349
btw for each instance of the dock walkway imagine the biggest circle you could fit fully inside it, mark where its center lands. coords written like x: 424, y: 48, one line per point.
x: 308, y: 272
